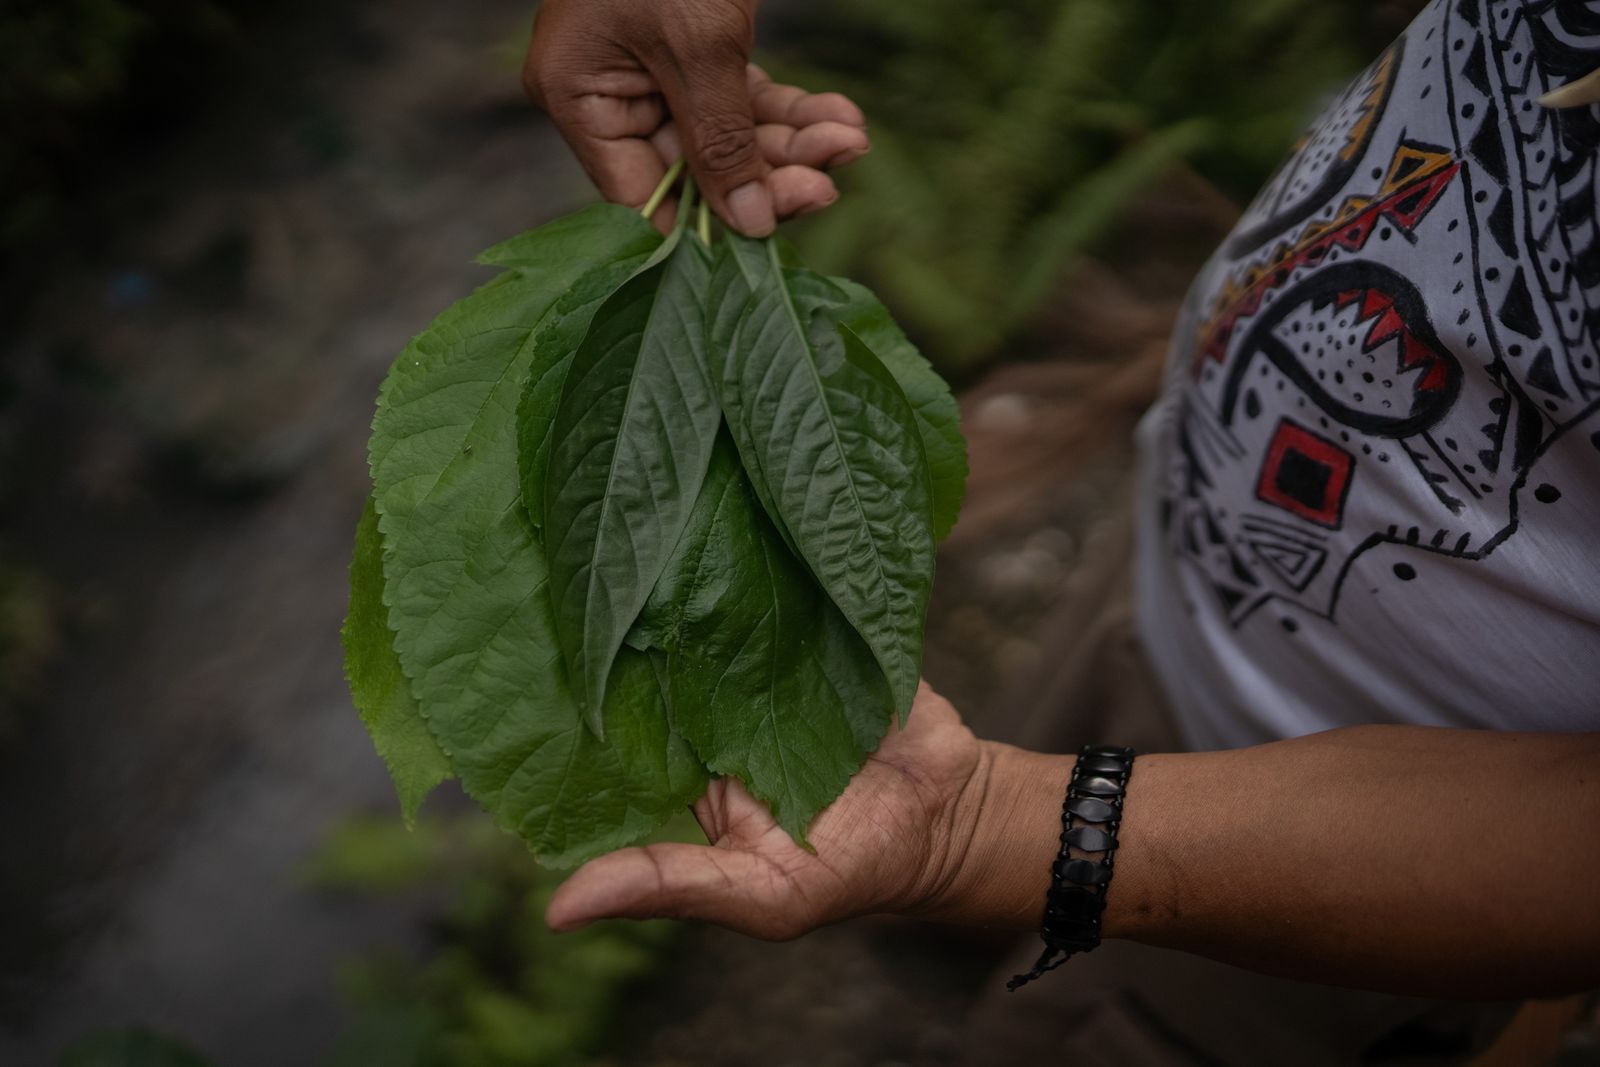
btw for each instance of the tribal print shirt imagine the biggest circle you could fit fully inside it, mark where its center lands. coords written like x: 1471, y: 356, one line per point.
x: 1371, y: 488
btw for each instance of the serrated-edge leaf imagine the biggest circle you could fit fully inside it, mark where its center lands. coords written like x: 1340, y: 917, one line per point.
x: 378, y: 686
x: 938, y: 415
x: 629, y: 449
x: 547, y: 250
x: 496, y: 695
x: 832, y: 448
x: 435, y: 394
x: 766, y: 679
x: 554, y: 345
x: 465, y: 580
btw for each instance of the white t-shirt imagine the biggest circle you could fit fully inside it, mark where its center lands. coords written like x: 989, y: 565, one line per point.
x: 1371, y: 487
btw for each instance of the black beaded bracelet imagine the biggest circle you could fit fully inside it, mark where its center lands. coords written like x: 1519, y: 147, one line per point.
x: 1090, y: 817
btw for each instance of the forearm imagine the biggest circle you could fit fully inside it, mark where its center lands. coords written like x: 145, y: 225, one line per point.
x: 1423, y: 861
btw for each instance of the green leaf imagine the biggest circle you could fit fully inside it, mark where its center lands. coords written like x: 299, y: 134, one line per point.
x: 131, y: 1046
x: 938, y: 417
x: 831, y: 447
x: 558, y: 339
x: 450, y: 395
x: 628, y: 451
x: 466, y: 582
x: 496, y: 691
x: 545, y: 254
x: 766, y: 679
x: 382, y: 694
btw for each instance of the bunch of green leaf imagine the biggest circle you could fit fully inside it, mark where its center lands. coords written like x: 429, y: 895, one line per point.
x: 1008, y: 138
x: 646, y: 510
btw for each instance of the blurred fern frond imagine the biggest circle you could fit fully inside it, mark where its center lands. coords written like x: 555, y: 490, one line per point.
x: 1006, y: 140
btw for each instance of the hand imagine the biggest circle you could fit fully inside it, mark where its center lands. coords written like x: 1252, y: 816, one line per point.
x: 896, y: 840
x: 632, y: 84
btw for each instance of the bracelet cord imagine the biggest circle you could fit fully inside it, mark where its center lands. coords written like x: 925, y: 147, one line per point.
x: 1090, y: 818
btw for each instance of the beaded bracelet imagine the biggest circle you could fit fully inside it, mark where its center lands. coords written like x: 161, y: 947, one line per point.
x: 1090, y: 817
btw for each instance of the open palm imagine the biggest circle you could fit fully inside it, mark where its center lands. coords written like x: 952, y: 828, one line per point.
x: 887, y: 844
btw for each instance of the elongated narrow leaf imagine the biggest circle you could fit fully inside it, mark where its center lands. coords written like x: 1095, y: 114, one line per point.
x: 831, y: 447
x: 382, y: 694
x: 938, y: 417
x: 466, y: 584
x: 628, y: 451
x: 554, y: 345
x: 767, y: 680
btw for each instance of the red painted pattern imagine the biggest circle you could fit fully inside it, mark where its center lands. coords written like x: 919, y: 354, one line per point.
x: 1405, y: 208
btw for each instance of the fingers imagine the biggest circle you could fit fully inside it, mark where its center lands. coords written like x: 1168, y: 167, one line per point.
x: 800, y: 191
x: 625, y: 171
x: 749, y: 141
x: 793, y: 106
x: 797, y: 184
x: 608, y: 135
x: 675, y: 881
x: 707, y: 92
x: 822, y: 146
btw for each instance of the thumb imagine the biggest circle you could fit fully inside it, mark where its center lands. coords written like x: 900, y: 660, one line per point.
x: 676, y: 881
x: 710, y: 101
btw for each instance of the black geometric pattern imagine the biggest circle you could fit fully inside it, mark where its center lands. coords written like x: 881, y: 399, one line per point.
x: 1417, y: 291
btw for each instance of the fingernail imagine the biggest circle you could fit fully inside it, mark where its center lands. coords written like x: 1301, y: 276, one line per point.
x: 848, y: 156
x: 812, y: 209
x: 1580, y: 93
x: 751, y: 208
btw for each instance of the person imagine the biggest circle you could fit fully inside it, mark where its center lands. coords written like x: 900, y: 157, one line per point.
x: 1364, y: 572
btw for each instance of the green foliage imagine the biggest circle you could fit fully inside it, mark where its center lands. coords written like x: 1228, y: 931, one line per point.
x: 131, y: 1046
x: 466, y: 584
x: 629, y: 446
x: 69, y: 66
x: 766, y: 678
x: 30, y: 637
x: 1006, y: 140
x: 676, y: 486
x: 494, y: 988
x: 59, y: 57
x: 932, y: 403
x: 831, y: 446
x: 66, y: 52
x: 378, y: 685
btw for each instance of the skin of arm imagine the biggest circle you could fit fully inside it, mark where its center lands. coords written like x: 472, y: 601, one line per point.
x: 1414, y: 860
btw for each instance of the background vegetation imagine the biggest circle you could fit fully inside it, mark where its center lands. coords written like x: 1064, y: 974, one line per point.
x: 76, y: 70
x: 494, y: 988
x: 1007, y: 138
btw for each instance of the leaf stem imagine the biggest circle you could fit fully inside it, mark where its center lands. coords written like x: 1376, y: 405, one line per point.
x: 654, y: 203
x: 686, y: 205
x: 705, y: 225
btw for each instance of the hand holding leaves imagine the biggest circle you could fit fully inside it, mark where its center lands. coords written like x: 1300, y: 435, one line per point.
x: 634, y: 86
x: 647, y: 509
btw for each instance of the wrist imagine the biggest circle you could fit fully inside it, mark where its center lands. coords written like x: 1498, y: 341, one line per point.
x: 1004, y: 832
